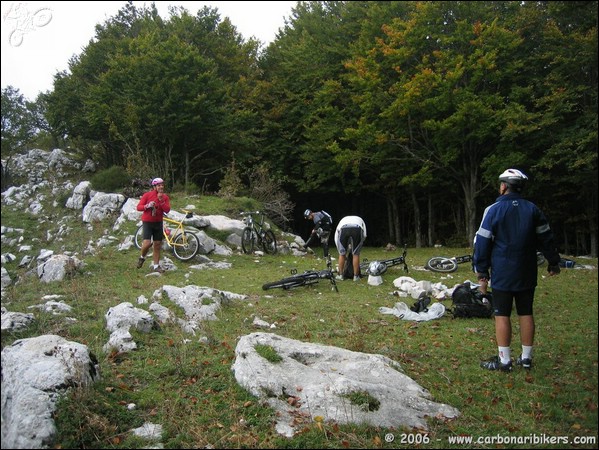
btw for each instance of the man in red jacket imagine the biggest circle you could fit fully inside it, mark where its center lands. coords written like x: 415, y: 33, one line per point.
x: 154, y: 204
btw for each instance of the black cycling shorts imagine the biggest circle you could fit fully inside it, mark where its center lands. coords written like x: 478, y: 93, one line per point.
x: 350, y: 234
x: 503, y: 301
x: 152, y: 230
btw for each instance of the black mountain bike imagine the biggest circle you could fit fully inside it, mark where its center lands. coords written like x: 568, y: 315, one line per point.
x: 365, y: 266
x: 257, y: 234
x: 443, y: 264
x: 308, y: 278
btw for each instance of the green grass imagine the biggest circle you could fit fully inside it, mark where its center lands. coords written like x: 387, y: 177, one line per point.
x: 186, y: 384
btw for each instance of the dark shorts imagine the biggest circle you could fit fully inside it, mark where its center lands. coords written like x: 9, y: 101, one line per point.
x: 323, y: 235
x: 353, y: 235
x: 503, y: 301
x: 152, y: 230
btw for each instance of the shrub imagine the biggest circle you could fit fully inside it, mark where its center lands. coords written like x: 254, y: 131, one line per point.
x: 268, y: 191
x: 113, y: 179
x: 231, y: 184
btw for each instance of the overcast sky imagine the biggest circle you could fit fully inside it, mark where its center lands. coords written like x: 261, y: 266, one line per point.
x: 39, y: 38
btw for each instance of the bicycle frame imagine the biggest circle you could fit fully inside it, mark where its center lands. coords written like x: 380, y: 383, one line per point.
x: 184, y: 243
x: 308, y: 278
x: 257, y: 233
x: 170, y: 233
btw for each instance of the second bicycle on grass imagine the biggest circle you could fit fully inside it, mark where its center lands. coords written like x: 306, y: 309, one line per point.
x: 308, y: 278
x: 257, y: 234
x: 183, y: 241
x: 381, y: 266
x: 443, y: 264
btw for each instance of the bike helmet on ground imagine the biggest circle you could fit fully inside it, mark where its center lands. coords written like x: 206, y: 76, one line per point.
x: 156, y: 181
x: 307, y: 213
x: 377, y: 268
x: 513, y: 178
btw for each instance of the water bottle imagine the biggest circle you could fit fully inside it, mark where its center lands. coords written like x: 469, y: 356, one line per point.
x: 167, y: 231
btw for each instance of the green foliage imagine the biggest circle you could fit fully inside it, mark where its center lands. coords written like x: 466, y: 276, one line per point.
x: 113, y: 179
x: 395, y: 99
x: 18, y: 124
x: 167, y: 94
x: 268, y: 353
x: 88, y: 413
x: 188, y: 188
x: 363, y: 400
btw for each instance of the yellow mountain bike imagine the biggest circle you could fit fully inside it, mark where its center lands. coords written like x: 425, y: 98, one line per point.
x: 183, y: 241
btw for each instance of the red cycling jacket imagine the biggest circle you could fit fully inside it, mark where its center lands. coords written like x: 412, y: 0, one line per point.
x: 160, y: 207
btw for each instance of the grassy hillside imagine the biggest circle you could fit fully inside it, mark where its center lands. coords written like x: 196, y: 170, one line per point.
x: 185, y: 383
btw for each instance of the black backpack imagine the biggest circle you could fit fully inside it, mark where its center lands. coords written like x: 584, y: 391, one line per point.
x: 421, y: 304
x: 326, y: 223
x: 468, y: 301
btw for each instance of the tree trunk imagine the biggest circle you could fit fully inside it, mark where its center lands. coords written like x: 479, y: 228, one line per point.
x: 390, y: 226
x: 417, y: 224
x: 431, y: 223
x: 593, y: 238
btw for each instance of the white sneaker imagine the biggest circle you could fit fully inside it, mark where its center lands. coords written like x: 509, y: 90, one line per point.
x: 357, y: 278
x: 339, y: 277
x: 158, y: 269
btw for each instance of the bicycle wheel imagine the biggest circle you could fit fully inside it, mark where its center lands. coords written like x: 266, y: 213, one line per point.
x: 247, y: 240
x: 186, y: 246
x: 441, y: 264
x: 269, y: 242
x: 139, y: 241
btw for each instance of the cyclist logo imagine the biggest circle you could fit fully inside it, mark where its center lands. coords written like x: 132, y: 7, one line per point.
x: 25, y: 21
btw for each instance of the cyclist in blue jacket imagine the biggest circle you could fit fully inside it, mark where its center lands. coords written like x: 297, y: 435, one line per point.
x: 505, y: 246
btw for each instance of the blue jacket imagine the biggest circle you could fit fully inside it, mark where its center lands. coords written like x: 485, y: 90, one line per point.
x: 505, y: 246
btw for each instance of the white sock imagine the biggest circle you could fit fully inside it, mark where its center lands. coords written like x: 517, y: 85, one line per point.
x: 504, y: 355
x: 527, y: 352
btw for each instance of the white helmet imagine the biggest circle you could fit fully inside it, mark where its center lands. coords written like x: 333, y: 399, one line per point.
x: 307, y: 213
x: 377, y: 268
x: 156, y: 181
x: 514, y: 178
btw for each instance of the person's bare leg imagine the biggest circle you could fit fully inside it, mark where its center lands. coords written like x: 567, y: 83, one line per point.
x: 527, y: 330
x: 156, y: 255
x: 145, y: 246
x: 503, y: 331
x: 356, y: 262
x: 341, y: 264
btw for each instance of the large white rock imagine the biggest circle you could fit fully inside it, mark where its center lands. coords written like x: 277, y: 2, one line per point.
x: 314, y: 380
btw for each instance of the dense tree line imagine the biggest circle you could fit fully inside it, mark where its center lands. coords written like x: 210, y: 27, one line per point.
x: 403, y: 112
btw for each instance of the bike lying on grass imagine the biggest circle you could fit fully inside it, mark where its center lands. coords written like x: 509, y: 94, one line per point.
x: 183, y: 241
x: 377, y: 267
x: 257, y: 234
x: 381, y: 266
x: 443, y: 264
x: 308, y: 278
